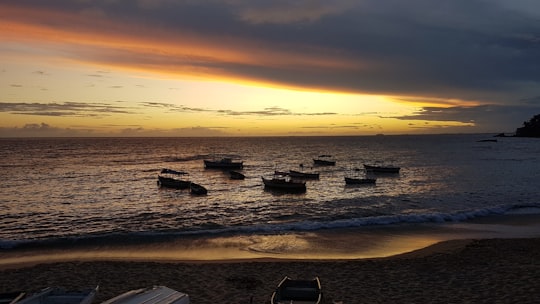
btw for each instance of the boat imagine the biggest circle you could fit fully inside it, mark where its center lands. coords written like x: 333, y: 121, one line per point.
x: 224, y: 163
x: 11, y: 297
x: 153, y: 295
x: 169, y: 180
x: 236, y: 175
x: 58, y: 295
x: 324, y: 160
x: 382, y: 169
x: 283, y: 184
x: 306, y: 175
x: 291, y: 291
x: 197, y: 189
x: 359, y: 180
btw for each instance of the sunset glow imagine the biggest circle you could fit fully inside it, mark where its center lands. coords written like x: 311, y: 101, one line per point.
x: 126, y: 68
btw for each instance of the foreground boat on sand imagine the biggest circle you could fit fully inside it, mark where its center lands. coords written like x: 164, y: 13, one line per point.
x: 283, y: 184
x: 224, y: 163
x: 297, y: 291
x: 56, y: 295
x: 169, y: 179
x: 153, y: 295
x: 382, y: 169
x: 11, y: 297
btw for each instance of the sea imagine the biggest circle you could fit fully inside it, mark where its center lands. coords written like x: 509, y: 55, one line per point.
x: 62, y: 192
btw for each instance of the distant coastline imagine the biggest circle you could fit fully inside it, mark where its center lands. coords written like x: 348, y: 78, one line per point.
x: 530, y: 128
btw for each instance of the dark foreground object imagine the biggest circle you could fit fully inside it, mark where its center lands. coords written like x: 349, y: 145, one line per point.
x: 297, y: 291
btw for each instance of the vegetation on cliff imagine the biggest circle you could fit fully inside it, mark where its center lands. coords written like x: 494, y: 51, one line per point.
x: 530, y: 128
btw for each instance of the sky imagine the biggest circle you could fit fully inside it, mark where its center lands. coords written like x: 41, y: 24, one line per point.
x: 267, y: 68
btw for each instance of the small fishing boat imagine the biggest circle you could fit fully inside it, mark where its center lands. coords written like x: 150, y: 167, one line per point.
x: 324, y: 160
x: 168, y: 179
x: 224, y: 163
x: 236, y: 175
x: 359, y: 180
x: 382, y: 169
x: 57, y: 295
x: 197, y: 189
x: 283, y: 184
x: 305, y: 175
x: 153, y: 295
x: 291, y: 291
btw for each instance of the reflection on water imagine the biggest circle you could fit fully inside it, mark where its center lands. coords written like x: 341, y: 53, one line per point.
x: 104, y: 190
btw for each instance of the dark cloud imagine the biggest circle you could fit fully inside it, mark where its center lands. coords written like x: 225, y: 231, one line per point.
x: 533, y: 101
x: 43, y: 130
x: 97, y: 110
x: 332, y: 126
x: 42, y: 126
x: 169, y: 107
x: 460, y: 49
x: 177, y: 132
x: 70, y: 109
x: 484, y: 118
x: 271, y: 111
x: 46, y: 130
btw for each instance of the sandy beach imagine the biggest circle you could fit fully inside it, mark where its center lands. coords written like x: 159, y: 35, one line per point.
x: 458, y: 271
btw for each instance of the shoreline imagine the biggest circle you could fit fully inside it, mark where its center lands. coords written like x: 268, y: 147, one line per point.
x: 456, y: 271
x: 440, y: 247
x: 331, y: 244
x: 446, y: 246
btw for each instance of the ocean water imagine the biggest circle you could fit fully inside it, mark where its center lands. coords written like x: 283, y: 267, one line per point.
x: 61, y: 190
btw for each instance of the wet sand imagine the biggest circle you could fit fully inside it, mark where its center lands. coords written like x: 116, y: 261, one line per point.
x: 458, y: 271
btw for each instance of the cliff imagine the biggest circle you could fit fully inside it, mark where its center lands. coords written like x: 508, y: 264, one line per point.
x: 530, y: 128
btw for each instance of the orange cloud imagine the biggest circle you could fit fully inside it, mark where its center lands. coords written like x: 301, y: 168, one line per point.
x: 91, y: 36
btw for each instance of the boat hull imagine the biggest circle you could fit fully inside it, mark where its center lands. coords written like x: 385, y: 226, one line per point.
x: 236, y: 175
x: 297, y: 291
x: 154, y: 295
x: 173, y: 183
x: 359, y: 181
x: 324, y: 162
x: 284, y: 185
x: 381, y: 169
x: 59, y: 295
x: 298, y: 174
x: 223, y: 164
x: 197, y: 189
x: 11, y: 297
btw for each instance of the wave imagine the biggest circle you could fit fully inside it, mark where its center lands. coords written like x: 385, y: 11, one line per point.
x: 212, y: 229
